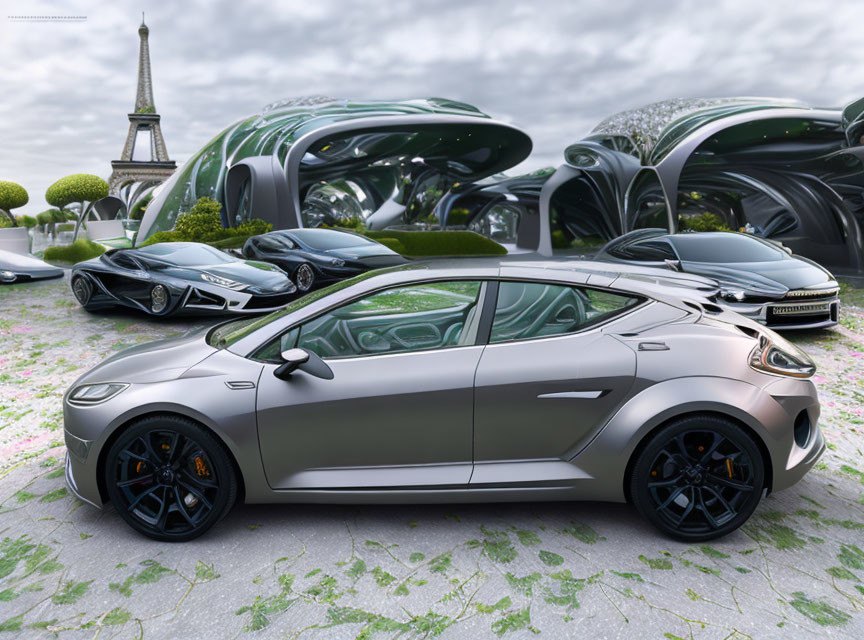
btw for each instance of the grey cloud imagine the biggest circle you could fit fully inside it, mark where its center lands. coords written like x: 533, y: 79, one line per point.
x: 555, y: 68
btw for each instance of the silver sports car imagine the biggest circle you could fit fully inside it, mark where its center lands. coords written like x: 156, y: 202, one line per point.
x: 470, y: 382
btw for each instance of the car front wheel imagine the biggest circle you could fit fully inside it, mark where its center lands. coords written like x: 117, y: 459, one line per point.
x: 82, y: 290
x: 169, y: 479
x: 698, y: 478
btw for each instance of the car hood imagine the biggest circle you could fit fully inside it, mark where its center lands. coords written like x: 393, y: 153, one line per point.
x: 260, y: 275
x: 151, y: 362
x: 25, y: 264
x: 767, y: 278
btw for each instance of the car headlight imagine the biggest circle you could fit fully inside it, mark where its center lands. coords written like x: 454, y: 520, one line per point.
x: 732, y: 294
x: 224, y: 282
x: 780, y: 357
x: 96, y: 393
x: 337, y: 262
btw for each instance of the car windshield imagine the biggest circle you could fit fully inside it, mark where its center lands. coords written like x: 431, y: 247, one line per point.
x: 186, y: 254
x: 724, y: 247
x: 227, y: 334
x: 325, y: 240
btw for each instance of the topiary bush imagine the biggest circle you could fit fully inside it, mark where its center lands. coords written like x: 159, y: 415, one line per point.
x: 202, y: 220
x: 7, y: 222
x: 45, y: 218
x: 12, y: 196
x: 78, y: 187
x: 80, y: 250
x: 203, y: 223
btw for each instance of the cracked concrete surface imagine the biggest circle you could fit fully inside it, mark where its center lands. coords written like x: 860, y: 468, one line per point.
x: 516, y: 570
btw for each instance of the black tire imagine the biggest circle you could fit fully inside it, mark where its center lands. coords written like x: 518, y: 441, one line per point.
x: 304, y: 277
x: 698, y: 478
x: 171, y: 494
x: 81, y: 289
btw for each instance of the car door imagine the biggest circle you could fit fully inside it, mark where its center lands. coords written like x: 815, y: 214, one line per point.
x: 399, y: 409
x: 549, y: 376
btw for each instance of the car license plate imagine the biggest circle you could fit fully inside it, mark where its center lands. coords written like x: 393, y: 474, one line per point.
x: 795, y: 309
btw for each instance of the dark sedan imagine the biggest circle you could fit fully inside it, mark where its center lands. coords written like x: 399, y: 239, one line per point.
x: 758, y: 278
x: 180, y: 277
x: 315, y: 257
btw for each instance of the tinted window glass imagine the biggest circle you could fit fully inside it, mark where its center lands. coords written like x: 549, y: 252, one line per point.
x: 124, y: 261
x: 423, y: 316
x: 528, y: 310
x: 186, y: 254
x: 725, y: 247
x: 649, y: 250
x: 268, y: 243
x: 324, y: 240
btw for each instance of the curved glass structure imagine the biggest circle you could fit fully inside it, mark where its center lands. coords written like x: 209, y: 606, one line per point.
x: 778, y: 168
x: 318, y: 160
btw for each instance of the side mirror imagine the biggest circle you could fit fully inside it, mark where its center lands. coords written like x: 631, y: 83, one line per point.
x: 675, y: 265
x: 304, y: 360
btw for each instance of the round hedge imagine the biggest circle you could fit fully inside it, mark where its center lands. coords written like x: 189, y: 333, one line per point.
x: 79, y: 187
x: 12, y: 195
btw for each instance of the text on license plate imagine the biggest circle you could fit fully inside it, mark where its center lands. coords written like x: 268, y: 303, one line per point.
x: 792, y: 309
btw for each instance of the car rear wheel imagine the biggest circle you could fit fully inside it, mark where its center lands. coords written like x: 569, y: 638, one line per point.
x: 169, y: 479
x: 81, y: 290
x: 304, y: 277
x: 699, y: 478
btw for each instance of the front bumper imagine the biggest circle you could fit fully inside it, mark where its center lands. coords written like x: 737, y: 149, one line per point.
x: 782, y: 314
x: 84, y: 496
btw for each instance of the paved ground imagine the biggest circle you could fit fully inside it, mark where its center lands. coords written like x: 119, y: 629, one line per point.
x: 558, y: 570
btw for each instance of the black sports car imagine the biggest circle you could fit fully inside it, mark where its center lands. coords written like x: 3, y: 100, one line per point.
x: 758, y: 278
x: 180, y: 277
x: 314, y: 257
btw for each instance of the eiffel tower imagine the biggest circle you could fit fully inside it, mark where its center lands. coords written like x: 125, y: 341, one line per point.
x: 130, y: 178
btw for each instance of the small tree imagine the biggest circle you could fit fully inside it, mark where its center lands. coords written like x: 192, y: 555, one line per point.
x: 82, y: 188
x: 12, y: 196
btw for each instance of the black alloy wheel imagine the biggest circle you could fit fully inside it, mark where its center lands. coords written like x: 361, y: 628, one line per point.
x: 304, y: 277
x: 699, y: 478
x: 82, y: 290
x: 169, y: 479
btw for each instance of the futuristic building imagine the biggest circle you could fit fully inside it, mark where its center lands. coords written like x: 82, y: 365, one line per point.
x: 314, y: 161
x: 789, y: 171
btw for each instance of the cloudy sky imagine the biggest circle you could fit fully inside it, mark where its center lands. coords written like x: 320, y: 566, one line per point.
x: 554, y: 68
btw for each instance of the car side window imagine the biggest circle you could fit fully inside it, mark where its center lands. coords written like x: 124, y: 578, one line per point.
x: 432, y: 315
x: 527, y: 310
x: 124, y: 262
x: 268, y: 244
x: 653, y: 250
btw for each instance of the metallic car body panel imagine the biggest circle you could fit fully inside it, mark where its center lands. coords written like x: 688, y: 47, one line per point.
x: 314, y: 431
x: 400, y: 427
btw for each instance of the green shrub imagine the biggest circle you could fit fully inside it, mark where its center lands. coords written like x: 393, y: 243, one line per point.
x: 79, y: 187
x: 202, y: 223
x: 46, y: 217
x: 81, y: 249
x: 7, y: 222
x: 66, y: 226
x: 440, y: 243
x: 12, y: 195
x: 393, y: 244
x: 703, y: 222
x: 560, y: 240
x: 58, y: 216
x: 26, y: 221
x: 70, y: 215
